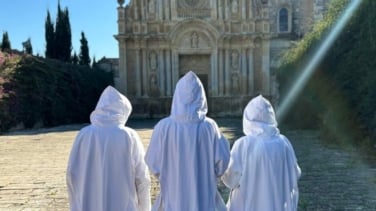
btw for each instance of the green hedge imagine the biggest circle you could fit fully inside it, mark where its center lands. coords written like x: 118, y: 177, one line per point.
x: 341, y: 95
x: 37, y: 90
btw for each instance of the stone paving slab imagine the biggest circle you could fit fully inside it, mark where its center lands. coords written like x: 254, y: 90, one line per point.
x: 33, y: 166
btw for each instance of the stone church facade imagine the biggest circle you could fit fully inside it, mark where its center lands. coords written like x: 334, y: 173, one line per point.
x: 234, y: 46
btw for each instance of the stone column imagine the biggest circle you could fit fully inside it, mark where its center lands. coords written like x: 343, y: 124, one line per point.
x: 174, y: 13
x: 244, y: 13
x: 145, y: 73
x: 168, y: 73
x: 213, y: 85
x: 143, y: 6
x: 221, y: 82
x: 250, y: 87
x: 227, y: 72
x: 138, y: 72
x: 121, y: 20
x: 243, y: 72
x: 266, y: 66
x: 161, y: 72
x: 220, y: 6
x: 175, y: 69
x: 227, y: 8
x: 166, y: 8
x: 214, y: 11
x: 135, y: 11
x: 122, y: 82
x: 159, y: 9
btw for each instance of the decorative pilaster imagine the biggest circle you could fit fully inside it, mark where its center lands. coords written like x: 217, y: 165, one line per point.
x: 121, y: 20
x: 213, y: 89
x: 250, y: 83
x: 221, y: 72
x: 145, y: 75
x: 161, y: 72
x: 168, y: 73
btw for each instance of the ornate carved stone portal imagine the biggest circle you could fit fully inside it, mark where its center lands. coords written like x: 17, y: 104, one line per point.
x: 228, y: 43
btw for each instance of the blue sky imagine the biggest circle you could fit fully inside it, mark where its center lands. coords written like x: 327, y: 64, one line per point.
x: 24, y: 19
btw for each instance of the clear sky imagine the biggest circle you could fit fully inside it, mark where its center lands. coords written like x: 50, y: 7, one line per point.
x: 24, y: 19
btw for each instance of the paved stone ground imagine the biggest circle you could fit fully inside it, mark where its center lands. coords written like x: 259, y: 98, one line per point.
x: 33, y: 163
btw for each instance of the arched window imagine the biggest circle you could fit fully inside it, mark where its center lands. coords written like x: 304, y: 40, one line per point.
x: 283, y: 17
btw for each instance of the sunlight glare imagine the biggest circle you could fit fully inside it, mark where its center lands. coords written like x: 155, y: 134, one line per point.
x: 316, y: 59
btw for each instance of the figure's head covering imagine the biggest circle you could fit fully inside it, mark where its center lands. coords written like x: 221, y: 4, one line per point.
x: 113, y: 108
x: 259, y: 118
x: 189, y: 101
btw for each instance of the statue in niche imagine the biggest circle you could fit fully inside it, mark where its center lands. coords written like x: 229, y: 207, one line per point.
x: 235, y: 88
x: 153, y: 84
x: 153, y: 63
x: 235, y: 59
x: 234, y: 6
x: 151, y: 6
x: 194, y: 40
x: 257, y: 5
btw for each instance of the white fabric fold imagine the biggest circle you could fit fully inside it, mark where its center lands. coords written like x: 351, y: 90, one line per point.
x: 106, y: 170
x: 187, y: 153
x: 263, y: 171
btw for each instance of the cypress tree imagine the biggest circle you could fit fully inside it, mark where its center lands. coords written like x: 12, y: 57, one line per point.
x: 67, y: 48
x: 5, y: 44
x: 94, y: 64
x: 59, y: 34
x: 50, y: 37
x: 63, y: 41
x: 75, y: 59
x: 84, y: 51
x: 29, y: 47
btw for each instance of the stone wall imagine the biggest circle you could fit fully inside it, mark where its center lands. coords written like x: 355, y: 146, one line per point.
x: 233, y: 46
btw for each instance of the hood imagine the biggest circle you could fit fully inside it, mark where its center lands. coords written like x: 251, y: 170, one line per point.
x: 189, y: 100
x: 259, y: 118
x: 113, y: 108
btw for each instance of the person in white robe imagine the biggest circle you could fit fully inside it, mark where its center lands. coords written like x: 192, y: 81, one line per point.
x: 106, y: 168
x: 187, y: 152
x: 263, y: 171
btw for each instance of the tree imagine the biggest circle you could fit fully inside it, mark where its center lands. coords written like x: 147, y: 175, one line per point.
x: 63, y: 35
x: 50, y: 37
x: 84, y: 51
x: 28, y: 48
x: 94, y: 63
x: 75, y: 58
x: 5, y: 44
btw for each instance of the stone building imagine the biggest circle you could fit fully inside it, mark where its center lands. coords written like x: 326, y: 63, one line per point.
x: 234, y: 46
x: 109, y: 65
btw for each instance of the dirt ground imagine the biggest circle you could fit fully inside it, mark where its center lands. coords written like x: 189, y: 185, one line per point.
x: 33, y: 167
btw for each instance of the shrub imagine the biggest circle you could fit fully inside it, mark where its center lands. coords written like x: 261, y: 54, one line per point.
x: 48, y: 91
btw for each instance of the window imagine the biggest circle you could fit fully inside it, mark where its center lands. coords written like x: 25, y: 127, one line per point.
x: 283, y: 22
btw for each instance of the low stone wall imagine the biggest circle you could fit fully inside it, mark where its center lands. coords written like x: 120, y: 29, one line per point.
x: 218, y: 106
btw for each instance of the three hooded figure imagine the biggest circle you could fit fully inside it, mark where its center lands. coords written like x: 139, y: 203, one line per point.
x: 187, y: 152
x: 106, y: 169
x: 263, y: 171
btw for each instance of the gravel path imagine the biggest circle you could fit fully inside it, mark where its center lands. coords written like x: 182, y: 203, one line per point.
x: 33, y: 163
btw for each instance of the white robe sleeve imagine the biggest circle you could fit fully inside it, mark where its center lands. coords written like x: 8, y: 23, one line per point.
x: 233, y: 173
x: 222, y: 153
x: 70, y: 174
x: 141, y: 174
x: 153, y: 155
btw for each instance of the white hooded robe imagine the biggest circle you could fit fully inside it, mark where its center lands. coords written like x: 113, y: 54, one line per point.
x: 263, y: 172
x: 187, y: 153
x: 106, y: 170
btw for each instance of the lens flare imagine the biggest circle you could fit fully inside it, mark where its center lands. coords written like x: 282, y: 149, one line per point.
x: 316, y: 58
